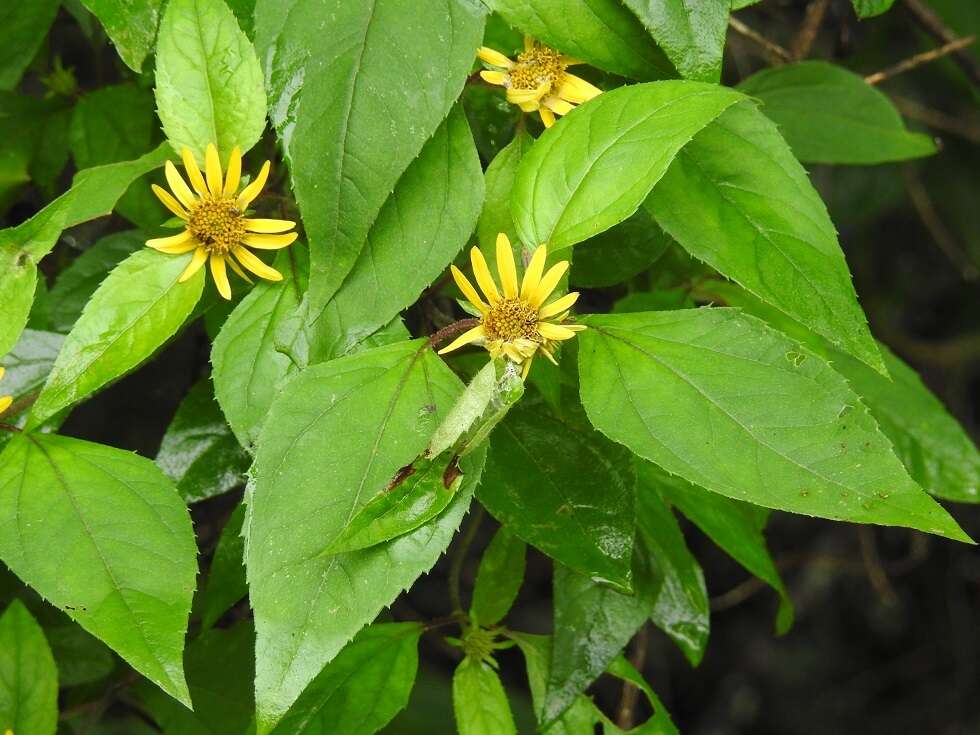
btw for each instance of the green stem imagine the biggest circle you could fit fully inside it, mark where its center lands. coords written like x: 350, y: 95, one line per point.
x: 459, y: 556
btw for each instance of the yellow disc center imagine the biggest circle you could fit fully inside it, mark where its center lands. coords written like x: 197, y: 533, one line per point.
x: 510, y: 319
x: 540, y: 65
x: 217, y: 224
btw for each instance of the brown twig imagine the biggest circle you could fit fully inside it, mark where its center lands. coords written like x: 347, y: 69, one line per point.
x: 454, y: 329
x: 966, y: 129
x: 626, y: 714
x: 872, y: 565
x: 919, y: 59
x: 937, y: 228
x: 932, y: 24
x: 777, y: 51
x: 815, y: 12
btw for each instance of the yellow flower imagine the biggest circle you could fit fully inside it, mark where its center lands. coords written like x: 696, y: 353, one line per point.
x: 538, y: 80
x: 217, y: 228
x: 5, y: 401
x: 516, y: 323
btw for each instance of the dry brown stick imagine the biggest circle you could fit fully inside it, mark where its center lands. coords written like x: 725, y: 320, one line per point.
x: 941, y: 234
x: 919, y: 59
x: 626, y: 715
x: 872, y: 565
x: 938, y: 120
x: 933, y: 24
x: 815, y: 12
x: 772, y: 47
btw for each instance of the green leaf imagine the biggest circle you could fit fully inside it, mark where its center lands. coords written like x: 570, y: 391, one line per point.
x: 28, y: 677
x: 600, y: 32
x: 871, y: 8
x: 499, y: 578
x: 131, y: 24
x: 660, y: 722
x: 479, y: 700
x: 313, y: 471
x: 501, y: 173
x: 736, y: 198
x: 226, y: 583
x: 110, y: 124
x: 366, y: 685
x: 418, y: 493
x: 220, y: 666
x: 129, y: 538
x: 592, y: 171
x: 681, y: 608
x: 29, y: 362
x: 735, y: 526
x: 18, y: 281
x: 592, y: 624
x: 356, y: 89
x: 934, y: 448
x: 248, y: 370
x: 619, y: 253
x: 208, y: 79
x: 198, y: 451
x: 831, y: 115
x: 22, y: 31
x: 135, y: 310
x: 434, y: 206
x: 691, y: 32
x: 566, y: 490
x: 700, y: 391
x: 77, y: 282
x: 81, y: 658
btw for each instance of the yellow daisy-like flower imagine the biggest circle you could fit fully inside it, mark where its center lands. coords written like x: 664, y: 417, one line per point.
x: 538, y: 80
x: 217, y: 228
x: 514, y: 320
x: 5, y: 401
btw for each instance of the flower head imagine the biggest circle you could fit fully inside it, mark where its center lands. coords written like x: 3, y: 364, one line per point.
x: 514, y: 320
x: 216, y: 227
x: 5, y: 401
x: 538, y: 80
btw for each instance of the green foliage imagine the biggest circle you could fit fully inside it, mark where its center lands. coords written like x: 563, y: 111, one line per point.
x: 28, y: 677
x: 331, y: 430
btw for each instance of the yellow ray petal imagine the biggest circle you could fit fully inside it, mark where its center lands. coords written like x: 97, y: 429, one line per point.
x: 230, y: 262
x: 220, y: 275
x: 269, y: 242
x: 250, y: 261
x: 212, y: 169
x: 200, y: 255
x: 183, y: 193
x: 558, y: 305
x: 493, y: 57
x: 193, y: 172
x: 547, y: 116
x: 468, y: 337
x: 532, y: 276
x: 519, y: 96
x: 468, y: 291
x: 483, y: 277
x: 531, y: 106
x: 548, y: 283
x: 557, y: 105
x: 528, y: 43
x: 527, y: 367
x: 511, y: 351
x: 554, y: 331
x: 577, y: 90
x: 268, y: 225
x: 234, y: 174
x: 169, y: 202
x: 500, y: 78
x: 2, y: 371
x: 252, y: 190
x: 5, y: 402
x: 175, y: 244
x: 506, y: 266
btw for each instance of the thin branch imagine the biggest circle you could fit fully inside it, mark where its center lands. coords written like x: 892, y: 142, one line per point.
x: 626, y: 715
x: 872, y: 565
x: 941, y: 234
x: 966, y: 129
x: 454, y: 329
x: 777, y: 51
x: 919, y: 59
x: 459, y: 556
x: 932, y: 24
x: 807, y: 34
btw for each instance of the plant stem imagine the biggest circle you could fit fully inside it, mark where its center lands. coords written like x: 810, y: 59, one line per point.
x: 453, y: 330
x: 459, y: 556
x: 772, y: 47
x: 919, y: 59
